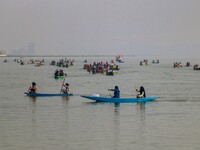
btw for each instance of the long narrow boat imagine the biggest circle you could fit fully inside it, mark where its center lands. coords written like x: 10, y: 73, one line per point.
x: 45, y: 94
x: 120, y: 100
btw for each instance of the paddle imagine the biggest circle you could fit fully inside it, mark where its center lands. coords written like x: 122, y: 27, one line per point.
x: 29, y: 89
x: 109, y: 93
x: 136, y: 91
x: 62, y: 85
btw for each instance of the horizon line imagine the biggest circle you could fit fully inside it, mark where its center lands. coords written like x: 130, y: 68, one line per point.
x: 67, y: 55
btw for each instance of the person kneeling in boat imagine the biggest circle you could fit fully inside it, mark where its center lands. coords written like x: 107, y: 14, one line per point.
x: 141, y: 92
x: 66, y: 89
x: 116, y: 92
x: 33, y: 88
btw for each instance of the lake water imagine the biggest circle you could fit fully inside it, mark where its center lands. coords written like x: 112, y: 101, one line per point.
x: 172, y: 122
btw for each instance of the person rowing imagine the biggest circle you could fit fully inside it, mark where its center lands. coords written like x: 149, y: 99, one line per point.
x: 116, y: 92
x: 33, y: 88
x: 66, y: 89
x: 141, y: 92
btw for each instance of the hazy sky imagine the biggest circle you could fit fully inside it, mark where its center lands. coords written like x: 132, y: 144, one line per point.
x: 151, y: 27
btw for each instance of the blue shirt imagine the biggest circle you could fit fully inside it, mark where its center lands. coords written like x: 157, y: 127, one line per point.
x: 116, y: 93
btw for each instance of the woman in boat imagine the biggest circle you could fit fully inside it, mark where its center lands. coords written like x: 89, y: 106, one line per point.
x: 141, y: 92
x: 61, y: 73
x: 116, y: 92
x: 33, y: 88
x: 66, y: 89
x: 56, y: 73
x: 196, y: 67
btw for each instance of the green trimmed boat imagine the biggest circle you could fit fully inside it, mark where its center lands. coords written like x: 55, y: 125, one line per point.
x: 111, y: 73
x: 59, y: 77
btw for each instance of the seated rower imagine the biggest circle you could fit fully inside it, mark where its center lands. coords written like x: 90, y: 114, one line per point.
x: 57, y: 73
x: 141, y: 92
x: 116, y: 92
x: 66, y: 89
x: 33, y: 88
x: 61, y: 73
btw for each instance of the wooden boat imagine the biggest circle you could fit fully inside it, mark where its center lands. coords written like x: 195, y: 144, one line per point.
x: 120, y: 100
x: 45, y: 94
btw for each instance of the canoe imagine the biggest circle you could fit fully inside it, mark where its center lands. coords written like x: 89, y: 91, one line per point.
x: 59, y: 77
x: 110, y: 73
x: 120, y: 100
x: 45, y: 94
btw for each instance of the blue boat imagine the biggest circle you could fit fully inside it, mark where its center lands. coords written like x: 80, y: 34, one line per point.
x: 45, y: 94
x: 120, y: 100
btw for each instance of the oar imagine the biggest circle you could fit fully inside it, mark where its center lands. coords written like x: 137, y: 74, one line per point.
x: 136, y: 91
x: 29, y: 89
x: 62, y: 85
x: 109, y: 93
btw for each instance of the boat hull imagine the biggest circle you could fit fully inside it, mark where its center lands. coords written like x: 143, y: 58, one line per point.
x: 59, y: 77
x: 120, y: 100
x: 45, y: 94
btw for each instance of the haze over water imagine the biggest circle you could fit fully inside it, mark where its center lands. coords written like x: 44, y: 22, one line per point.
x: 169, y: 123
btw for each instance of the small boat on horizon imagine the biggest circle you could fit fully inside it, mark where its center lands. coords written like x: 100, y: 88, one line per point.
x: 3, y: 53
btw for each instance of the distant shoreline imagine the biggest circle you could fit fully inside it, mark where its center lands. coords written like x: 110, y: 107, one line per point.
x: 67, y: 55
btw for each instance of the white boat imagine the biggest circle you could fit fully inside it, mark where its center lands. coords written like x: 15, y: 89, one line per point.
x: 2, y: 53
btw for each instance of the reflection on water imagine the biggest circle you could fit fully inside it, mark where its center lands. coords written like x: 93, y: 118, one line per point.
x: 116, y: 125
x: 141, y: 114
x: 117, y: 106
x: 77, y: 123
x: 33, y: 99
x: 65, y: 98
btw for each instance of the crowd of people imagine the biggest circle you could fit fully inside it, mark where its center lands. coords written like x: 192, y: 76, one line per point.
x: 63, y: 63
x: 144, y: 62
x: 100, y: 67
x: 188, y: 64
x: 177, y: 64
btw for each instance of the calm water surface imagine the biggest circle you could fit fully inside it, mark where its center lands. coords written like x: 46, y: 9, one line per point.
x: 170, y: 123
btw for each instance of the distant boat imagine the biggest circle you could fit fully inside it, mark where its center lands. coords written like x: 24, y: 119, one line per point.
x: 2, y: 53
x: 111, y: 72
x: 119, y: 59
x: 155, y: 61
